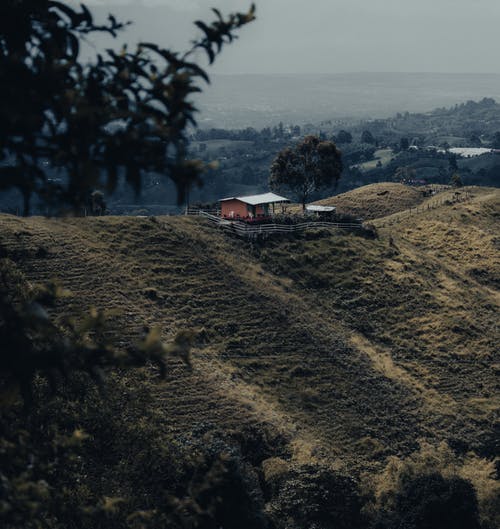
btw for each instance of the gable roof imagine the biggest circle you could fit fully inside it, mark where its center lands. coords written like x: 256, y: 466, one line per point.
x: 254, y: 200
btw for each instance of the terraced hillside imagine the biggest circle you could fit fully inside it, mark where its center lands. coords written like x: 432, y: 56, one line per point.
x: 341, y: 349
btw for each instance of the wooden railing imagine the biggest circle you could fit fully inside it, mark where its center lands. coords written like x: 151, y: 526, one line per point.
x: 242, y: 229
x: 192, y: 210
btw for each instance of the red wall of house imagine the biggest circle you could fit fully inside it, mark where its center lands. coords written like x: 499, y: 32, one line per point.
x: 233, y: 208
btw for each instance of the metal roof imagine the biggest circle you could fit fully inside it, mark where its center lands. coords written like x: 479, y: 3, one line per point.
x: 320, y: 208
x: 254, y: 200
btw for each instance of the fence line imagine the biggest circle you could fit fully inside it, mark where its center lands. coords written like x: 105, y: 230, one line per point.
x: 247, y: 230
x: 431, y: 204
x: 198, y: 211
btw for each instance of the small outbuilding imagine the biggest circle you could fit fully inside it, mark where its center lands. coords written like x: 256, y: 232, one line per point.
x: 251, y: 207
x: 320, y: 211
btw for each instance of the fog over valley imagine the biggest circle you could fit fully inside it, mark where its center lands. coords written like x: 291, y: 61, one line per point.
x: 238, y: 101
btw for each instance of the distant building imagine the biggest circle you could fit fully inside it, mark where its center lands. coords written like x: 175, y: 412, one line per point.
x: 469, y: 152
x: 251, y: 207
x: 320, y: 211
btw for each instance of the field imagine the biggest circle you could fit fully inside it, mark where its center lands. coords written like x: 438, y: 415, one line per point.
x: 338, y: 349
x: 384, y: 156
x: 215, y: 146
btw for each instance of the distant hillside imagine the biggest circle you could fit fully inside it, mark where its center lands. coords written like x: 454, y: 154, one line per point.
x: 334, y: 348
x: 239, y: 101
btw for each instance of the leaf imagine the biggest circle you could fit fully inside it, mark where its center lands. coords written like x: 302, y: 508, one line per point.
x: 87, y: 16
x: 111, y: 504
x: 77, y: 438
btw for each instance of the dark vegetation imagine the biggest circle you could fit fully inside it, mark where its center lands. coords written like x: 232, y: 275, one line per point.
x: 311, y: 165
x: 308, y: 390
x: 263, y: 414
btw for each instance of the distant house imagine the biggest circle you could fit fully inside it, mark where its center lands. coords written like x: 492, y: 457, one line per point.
x: 251, y: 207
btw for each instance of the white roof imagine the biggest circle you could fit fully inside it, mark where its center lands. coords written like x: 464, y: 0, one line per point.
x: 320, y: 208
x: 254, y: 200
x: 469, y: 152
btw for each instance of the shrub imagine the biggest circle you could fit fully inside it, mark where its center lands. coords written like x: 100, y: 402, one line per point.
x: 432, y: 502
x: 312, y: 496
x: 386, y: 488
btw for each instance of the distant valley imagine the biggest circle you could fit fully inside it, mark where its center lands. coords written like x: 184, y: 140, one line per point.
x: 239, y: 101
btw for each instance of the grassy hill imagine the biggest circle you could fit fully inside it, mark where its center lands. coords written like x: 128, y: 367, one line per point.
x: 330, y: 347
x: 376, y: 200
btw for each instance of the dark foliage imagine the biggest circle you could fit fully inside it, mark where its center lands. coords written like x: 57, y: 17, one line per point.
x: 312, y: 496
x: 432, y: 501
x: 343, y: 137
x: 311, y: 165
x: 124, y: 113
x: 367, y: 137
x: 225, y: 495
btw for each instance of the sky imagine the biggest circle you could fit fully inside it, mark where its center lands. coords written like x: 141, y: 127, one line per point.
x: 329, y: 36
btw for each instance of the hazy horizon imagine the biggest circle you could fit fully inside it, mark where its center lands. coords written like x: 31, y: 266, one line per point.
x: 347, y: 58
x: 259, y: 100
x: 325, y: 36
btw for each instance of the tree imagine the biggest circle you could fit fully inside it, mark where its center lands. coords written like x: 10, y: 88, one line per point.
x: 452, y: 163
x: 309, y: 166
x: 97, y: 203
x: 404, y: 144
x: 456, y: 180
x: 367, y: 137
x: 343, y: 137
x: 475, y: 140
x: 404, y: 174
x: 495, y: 144
x: 428, y: 502
x: 313, y: 496
x: 125, y: 113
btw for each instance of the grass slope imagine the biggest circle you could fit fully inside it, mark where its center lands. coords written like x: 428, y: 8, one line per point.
x: 376, y: 200
x: 342, y: 349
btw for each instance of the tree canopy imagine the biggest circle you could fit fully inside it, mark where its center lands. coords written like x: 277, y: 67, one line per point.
x: 124, y: 113
x: 343, y: 137
x: 367, y: 137
x: 309, y: 166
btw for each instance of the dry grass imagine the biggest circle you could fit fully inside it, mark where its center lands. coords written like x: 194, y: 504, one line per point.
x: 350, y: 349
x: 376, y: 200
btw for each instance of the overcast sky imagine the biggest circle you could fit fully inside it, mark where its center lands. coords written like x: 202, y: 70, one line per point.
x: 331, y: 36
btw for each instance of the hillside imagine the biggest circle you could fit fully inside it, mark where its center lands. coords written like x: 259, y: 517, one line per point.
x: 376, y: 200
x: 335, y: 348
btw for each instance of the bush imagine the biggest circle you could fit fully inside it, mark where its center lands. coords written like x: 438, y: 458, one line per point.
x: 434, y: 502
x: 395, y: 480
x: 315, y: 497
